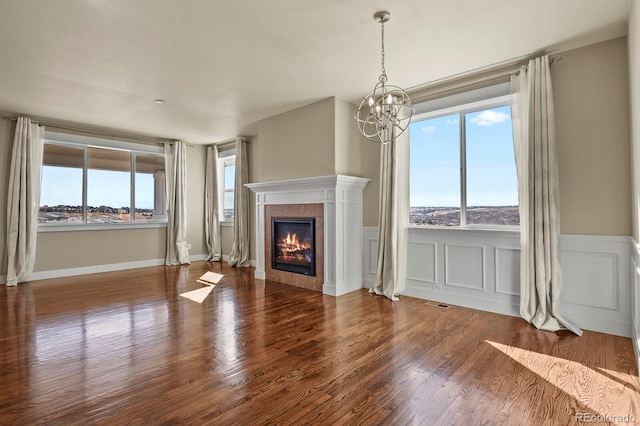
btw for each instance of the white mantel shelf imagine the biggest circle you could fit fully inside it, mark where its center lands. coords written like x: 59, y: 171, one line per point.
x: 341, y: 197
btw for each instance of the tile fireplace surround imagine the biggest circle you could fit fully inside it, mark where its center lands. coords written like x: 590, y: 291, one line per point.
x: 336, y: 203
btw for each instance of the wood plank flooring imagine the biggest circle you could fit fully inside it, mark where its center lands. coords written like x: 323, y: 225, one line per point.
x: 124, y: 348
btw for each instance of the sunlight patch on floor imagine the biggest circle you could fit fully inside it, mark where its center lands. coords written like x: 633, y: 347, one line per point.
x: 198, y: 295
x: 592, y: 389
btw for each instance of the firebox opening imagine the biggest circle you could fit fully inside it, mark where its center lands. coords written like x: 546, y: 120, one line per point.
x: 293, y: 245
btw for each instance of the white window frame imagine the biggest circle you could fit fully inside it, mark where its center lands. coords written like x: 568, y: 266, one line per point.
x: 85, y: 142
x: 224, y: 157
x: 461, y: 109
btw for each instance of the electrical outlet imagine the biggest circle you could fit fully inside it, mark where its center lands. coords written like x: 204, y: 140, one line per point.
x: 188, y: 246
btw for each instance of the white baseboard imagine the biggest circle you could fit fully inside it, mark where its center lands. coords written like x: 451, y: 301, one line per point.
x: 329, y: 288
x: 59, y: 273
x: 636, y: 347
x: 95, y: 269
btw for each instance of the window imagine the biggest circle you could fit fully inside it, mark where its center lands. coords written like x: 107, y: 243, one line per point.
x: 87, y: 181
x: 462, y: 166
x: 226, y: 179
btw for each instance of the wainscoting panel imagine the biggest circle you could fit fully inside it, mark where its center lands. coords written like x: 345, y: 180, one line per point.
x: 597, y: 272
x: 417, y: 268
x: 596, y: 290
x: 481, y: 270
x: 507, y: 266
x: 369, y: 255
x: 635, y: 300
x: 463, y: 266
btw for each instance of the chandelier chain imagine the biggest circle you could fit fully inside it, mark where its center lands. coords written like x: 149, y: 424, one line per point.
x: 386, y: 111
x: 383, y: 76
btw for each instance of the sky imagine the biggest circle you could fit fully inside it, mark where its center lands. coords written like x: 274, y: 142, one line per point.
x: 435, y: 160
x: 63, y: 185
x: 434, y: 168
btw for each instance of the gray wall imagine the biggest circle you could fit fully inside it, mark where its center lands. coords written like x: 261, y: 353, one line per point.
x: 591, y: 98
x: 634, y: 94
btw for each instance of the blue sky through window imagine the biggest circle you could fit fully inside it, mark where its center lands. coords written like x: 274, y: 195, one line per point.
x: 63, y: 186
x: 435, y: 160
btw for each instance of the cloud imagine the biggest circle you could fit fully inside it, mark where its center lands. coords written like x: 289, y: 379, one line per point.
x: 489, y: 118
x: 428, y: 129
x: 452, y: 121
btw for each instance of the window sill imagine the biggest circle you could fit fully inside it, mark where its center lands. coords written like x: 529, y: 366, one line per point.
x: 98, y: 226
x: 227, y: 224
x: 505, y: 231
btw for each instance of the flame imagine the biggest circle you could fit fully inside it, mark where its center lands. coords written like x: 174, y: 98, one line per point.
x: 291, y: 243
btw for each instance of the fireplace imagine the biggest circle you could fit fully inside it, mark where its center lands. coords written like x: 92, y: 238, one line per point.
x: 335, y: 202
x: 293, y: 245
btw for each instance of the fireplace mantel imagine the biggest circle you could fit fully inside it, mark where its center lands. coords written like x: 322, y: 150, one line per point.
x: 341, y: 197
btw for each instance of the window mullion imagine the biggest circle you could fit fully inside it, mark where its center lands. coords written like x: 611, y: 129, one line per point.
x: 132, y: 187
x: 85, y: 164
x: 463, y: 170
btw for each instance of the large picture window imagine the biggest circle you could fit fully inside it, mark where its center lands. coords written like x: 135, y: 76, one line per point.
x: 86, y: 184
x: 462, y: 166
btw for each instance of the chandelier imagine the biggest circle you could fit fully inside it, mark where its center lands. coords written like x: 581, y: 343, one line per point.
x: 386, y: 111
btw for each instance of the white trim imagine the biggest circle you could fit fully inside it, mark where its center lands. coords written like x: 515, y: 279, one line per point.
x: 84, y: 140
x: 95, y: 269
x: 466, y: 108
x: 197, y: 257
x: 71, y: 272
x: 51, y: 227
x: 635, y: 300
x: 635, y: 339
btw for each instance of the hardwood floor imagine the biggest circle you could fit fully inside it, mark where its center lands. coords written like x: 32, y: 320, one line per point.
x: 124, y: 348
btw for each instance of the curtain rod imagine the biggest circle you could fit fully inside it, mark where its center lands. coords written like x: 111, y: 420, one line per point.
x: 97, y: 132
x: 229, y: 141
x: 424, y: 90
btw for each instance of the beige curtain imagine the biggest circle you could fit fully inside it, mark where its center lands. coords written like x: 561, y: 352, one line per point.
x: 211, y: 213
x: 23, y: 201
x: 535, y: 151
x: 175, y: 158
x: 240, y: 251
x: 393, y: 218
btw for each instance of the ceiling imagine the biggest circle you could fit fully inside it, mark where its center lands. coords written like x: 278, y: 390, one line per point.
x: 221, y: 66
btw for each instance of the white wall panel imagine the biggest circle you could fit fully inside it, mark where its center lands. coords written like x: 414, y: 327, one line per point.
x: 421, y: 262
x: 507, y: 266
x: 593, y: 278
x: 464, y: 266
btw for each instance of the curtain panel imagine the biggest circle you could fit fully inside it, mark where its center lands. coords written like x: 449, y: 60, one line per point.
x: 393, y: 218
x: 176, y: 172
x: 536, y: 163
x: 239, y: 256
x: 23, y: 201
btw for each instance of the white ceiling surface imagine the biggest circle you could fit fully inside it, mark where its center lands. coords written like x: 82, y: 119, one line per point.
x: 222, y: 66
